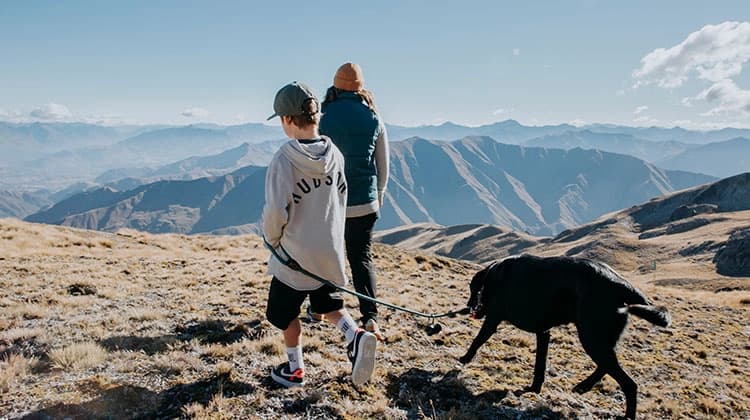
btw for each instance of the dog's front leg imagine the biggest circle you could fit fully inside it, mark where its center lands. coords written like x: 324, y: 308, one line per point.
x: 540, y: 366
x: 488, y: 328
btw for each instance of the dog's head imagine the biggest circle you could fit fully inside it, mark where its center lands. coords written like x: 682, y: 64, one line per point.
x: 476, y: 299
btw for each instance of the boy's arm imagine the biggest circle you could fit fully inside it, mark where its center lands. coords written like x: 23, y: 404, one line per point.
x: 382, y: 158
x: 278, y: 195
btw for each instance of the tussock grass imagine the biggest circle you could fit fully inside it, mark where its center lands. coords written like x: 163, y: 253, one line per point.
x: 145, y: 314
x: 271, y: 346
x: 28, y: 311
x: 13, y: 369
x: 175, y: 363
x: 18, y: 334
x: 78, y: 356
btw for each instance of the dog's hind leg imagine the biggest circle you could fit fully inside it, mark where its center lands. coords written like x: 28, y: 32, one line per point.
x: 611, y: 366
x: 599, y: 335
x: 588, y: 383
x: 488, y: 328
x: 540, y: 365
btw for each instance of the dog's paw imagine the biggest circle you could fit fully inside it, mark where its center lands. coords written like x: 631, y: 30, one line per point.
x: 528, y: 389
x: 581, y: 389
x: 464, y: 359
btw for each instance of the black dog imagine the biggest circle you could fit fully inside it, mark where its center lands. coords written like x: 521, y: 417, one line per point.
x: 536, y: 294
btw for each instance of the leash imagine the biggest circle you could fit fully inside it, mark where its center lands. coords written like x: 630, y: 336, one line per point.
x: 294, y: 265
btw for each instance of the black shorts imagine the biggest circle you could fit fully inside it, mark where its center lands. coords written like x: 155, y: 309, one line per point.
x: 284, y: 302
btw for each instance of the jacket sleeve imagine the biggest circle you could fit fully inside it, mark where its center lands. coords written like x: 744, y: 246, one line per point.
x: 278, y: 199
x: 382, y: 159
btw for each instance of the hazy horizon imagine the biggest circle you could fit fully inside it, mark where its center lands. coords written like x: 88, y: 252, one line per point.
x: 431, y: 124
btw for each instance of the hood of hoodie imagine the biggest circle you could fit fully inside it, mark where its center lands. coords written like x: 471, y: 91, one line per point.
x: 315, y: 159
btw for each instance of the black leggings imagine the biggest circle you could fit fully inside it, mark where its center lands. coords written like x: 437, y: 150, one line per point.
x: 358, y: 237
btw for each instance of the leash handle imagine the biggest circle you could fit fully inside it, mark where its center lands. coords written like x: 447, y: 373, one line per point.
x: 294, y: 265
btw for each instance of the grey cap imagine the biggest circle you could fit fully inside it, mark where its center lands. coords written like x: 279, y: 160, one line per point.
x: 290, y: 100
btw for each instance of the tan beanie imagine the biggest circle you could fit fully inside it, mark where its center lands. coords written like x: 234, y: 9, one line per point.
x: 349, y: 77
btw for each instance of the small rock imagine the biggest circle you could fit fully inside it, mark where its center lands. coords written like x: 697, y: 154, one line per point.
x: 80, y: 289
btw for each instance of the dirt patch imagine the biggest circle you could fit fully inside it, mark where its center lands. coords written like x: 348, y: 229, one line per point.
x: 718, y: 285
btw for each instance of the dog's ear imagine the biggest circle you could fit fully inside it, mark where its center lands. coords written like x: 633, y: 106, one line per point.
x: 479, y: 280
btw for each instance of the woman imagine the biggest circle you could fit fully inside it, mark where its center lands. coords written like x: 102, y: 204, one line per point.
x: 352, y: 122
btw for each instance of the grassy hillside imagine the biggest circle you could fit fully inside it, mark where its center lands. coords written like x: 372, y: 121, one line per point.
x: 101, y: 325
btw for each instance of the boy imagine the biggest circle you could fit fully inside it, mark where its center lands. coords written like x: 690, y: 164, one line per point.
x: 303, y: 218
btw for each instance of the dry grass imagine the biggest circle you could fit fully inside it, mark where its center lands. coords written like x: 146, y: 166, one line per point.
x: 27, y: 311
x: 176, y: 328
x: 13, y: 369
x: 78, y: 356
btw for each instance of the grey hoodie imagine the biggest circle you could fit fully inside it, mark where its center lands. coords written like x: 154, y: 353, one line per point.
x: 305, y: 212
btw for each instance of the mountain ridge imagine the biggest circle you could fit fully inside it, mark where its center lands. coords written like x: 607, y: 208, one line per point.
x: 538, y: 190
x: 708, y: 223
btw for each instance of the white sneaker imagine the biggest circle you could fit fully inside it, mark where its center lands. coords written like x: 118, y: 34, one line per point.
x: 361, y: 352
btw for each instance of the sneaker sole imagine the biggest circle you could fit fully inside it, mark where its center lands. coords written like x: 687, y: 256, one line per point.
x: 312, y: 318
x: 283, y: 381
x: 365, y: 363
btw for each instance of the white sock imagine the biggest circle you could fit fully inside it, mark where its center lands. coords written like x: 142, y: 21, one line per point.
x: 294, y: 355
x: 347, y: 326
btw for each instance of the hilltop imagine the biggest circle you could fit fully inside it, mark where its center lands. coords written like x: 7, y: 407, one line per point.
x: 130, y: 324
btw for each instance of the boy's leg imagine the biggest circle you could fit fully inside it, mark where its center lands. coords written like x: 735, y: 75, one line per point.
x: 361, y: 344
x: 292, y: 333
x: 292, y: 336
x: 282, y: 311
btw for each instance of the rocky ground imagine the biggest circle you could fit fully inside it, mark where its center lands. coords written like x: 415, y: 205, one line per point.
x: 132, y: 325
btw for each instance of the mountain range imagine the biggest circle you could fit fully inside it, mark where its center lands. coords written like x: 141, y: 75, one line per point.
x: 45, y: 156
x: 52, y: 156
x: 722, y: 159
x: 537, y: 190
x: 40, y: 163
x: 474, y: 180
x: 707, y: 224
x: 194, y: 206
x: 648, y: 150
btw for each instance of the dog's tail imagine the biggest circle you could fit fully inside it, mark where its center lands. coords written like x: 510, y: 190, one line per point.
x: 657, y: 315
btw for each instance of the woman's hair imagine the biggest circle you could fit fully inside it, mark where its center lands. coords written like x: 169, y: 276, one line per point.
x: 310, y: 116
x: 333, y: 93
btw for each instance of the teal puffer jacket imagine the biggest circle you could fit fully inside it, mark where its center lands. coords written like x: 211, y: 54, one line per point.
x: 354, y: 128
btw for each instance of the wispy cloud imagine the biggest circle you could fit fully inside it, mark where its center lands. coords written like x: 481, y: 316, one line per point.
x: 726, y: 94
x: 715, y: 53
x: 51, y: 112
x: 195, y: 112
x: 640, y: 117
x: 517, y: 51
x: 645, y: 120
x: 578, y: 122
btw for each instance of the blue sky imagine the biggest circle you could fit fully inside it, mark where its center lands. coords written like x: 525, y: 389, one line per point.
x: 472, y: 62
